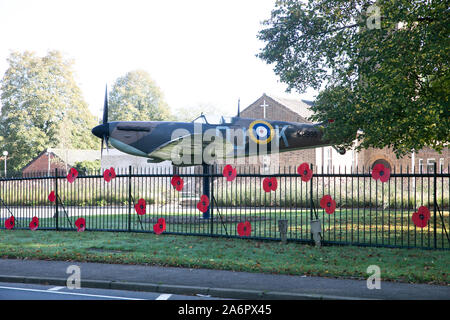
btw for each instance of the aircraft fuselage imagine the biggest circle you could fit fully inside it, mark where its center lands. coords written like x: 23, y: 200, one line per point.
x: 243, y: 137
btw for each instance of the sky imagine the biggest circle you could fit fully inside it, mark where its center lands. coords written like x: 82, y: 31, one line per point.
x: 199, y: 52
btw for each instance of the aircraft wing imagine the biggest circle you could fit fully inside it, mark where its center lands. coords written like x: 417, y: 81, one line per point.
x: 190, y: 146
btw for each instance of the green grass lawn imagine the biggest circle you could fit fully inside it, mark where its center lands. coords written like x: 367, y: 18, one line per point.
x: 404, y: 265
x: 358, y: 225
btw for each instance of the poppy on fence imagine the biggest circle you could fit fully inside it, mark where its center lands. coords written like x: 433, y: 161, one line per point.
x: 177, y: 182
x: 160, y: 226
x: 109, y: 174
x: 421, y: 217
x: 52, y: 196
x: 244, y: 229
x: 381, y: 172
x: 328, y: 204
x: 270, y: 184
x: 9, y: 223
x: 80, y: 224
x: 72, y: 175
x: 305, y: 172
x: 140, y: 207
x: 203, y: 204
x: 229, y: 172
x: 34, y: 224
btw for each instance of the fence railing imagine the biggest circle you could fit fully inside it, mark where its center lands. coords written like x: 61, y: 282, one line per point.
x: 368, y: 212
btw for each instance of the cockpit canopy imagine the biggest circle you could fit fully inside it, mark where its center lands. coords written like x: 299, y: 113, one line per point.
x: 213, y: 119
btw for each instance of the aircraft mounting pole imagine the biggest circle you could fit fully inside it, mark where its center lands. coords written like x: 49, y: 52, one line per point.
x: 206, y: 186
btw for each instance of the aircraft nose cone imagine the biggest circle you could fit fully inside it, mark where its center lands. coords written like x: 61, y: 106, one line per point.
x: 101, y: 130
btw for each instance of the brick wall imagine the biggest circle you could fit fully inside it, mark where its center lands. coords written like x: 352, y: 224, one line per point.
x: 367, y: 157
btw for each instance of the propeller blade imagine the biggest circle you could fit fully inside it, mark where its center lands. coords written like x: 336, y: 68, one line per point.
x: 101, y: 150
x: 105, y: 107
x: 107, y: 147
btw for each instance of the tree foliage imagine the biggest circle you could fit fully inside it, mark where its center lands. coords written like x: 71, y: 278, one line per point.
x: 382, y: 67
x: 41, y: 107
x: 136, y: 97
x: 88, y: 167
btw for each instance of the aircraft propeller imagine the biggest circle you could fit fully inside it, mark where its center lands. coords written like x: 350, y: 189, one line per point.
x: 102, y: 130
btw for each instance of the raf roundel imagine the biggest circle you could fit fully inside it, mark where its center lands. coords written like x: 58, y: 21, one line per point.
x: 261, y: 132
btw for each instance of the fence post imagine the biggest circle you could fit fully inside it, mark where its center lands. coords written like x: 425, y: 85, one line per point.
x: 435, y: 203
x: 311, y: 203
x: 211, y: 200
x: 56, y: 201
x: 129, y: 198
x: 206, y: 189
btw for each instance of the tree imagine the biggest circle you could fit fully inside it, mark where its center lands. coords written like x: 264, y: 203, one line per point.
x: 42, y: 107
x: 136, y: 97
x: 88, y: 167
x: 382, y: 67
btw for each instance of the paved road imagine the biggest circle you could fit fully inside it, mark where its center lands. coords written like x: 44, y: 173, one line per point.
x: 217, y: 283
x: 20, y: 291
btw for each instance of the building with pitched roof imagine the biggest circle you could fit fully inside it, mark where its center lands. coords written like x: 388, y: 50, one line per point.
x: 327, y: 158
x: 285, y: 109
x: 62, y: 159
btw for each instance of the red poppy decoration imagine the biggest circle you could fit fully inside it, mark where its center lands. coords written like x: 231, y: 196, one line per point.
x: 229, y: 172
x: 112, y: 172
x: 80, y: 224
x: 244, y: 229
x: 72, y: 175
x: 160, y: 226
x: 52, y: 196
x: 328, y: 204
x: 34, y: 224
x: 305, y: 172
x: 270, y: 184
x: 140, y: 207
x: 203, y: 204
x: 109, y: 174
x: 421, y: 217
x: 177, y: 182
x: 9, y: 223
x: 379, y: 171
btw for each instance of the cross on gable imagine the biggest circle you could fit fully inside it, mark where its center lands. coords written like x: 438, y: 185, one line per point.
x: 264, y: 105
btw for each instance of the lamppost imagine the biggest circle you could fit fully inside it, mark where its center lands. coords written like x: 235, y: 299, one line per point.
x: 5, y: 154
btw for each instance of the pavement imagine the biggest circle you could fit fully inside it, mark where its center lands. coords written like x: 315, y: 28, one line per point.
x: 214, y: 283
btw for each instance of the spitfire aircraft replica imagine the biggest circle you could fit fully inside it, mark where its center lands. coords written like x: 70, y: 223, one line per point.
x: 202, y: 142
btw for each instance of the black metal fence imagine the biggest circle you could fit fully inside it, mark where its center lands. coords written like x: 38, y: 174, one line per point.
x: 368, y: 212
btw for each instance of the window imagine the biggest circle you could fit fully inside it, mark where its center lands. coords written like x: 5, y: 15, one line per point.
x: 330, y: 159
x: 430, y: 165
x: 441, y: 165
x: 200, y: 119
x: 420, y: 165
x: 213, y: 119
x: 265, y: 163
x: 226, y: 120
